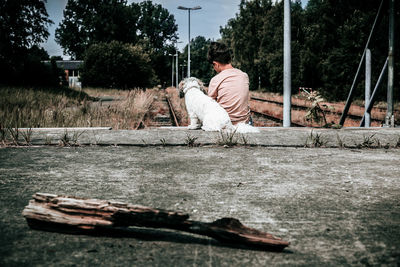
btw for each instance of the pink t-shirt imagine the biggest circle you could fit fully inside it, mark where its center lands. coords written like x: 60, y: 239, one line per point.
x: 230, y: 88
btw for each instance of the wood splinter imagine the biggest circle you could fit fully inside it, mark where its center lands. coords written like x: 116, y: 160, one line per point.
x: 88, y: 216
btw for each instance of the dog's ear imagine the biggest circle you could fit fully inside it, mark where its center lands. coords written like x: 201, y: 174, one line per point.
x: 180, y: 89
x: 181, y: 84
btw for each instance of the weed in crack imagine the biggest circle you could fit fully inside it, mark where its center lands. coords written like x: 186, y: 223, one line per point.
x: 340, y: 141
x: 231, y: 138
x: 14, y: 133
x: 163, y: 141
x: 27, y: 136
x: 191, y: 140
x: 227, y: 138
x: 68, y: 141
x: 315, y: 140
x: 368, y: 142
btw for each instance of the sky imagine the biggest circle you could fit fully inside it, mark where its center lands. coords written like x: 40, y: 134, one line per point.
x: 204, y: 22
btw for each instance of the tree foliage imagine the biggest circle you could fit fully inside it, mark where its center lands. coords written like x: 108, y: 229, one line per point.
x: 199, y: 66
x: 155, y: 24
x: 328, y: 39
x: 23, y: 25
x: 88, y: 22
x: 117, y: 65
x: 157, y: 30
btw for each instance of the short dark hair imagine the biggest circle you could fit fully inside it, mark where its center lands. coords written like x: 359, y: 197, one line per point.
x: 219, y: 52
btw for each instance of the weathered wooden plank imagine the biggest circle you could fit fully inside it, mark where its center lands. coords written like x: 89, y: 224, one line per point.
x: 79, y: 215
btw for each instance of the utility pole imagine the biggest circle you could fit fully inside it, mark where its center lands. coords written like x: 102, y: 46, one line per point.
x: 172, y: 70
x: 367, y: 98
x: 389, y: 119
x: 189, y: 9
x: 287, y: 80
x: 177, y: 64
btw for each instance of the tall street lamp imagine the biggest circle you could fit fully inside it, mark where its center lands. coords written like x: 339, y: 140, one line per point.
x: 188, y: 9
x: 172, y: 69
x: 176, y: 65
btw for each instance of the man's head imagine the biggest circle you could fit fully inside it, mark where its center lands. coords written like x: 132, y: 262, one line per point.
x: 219, y: 53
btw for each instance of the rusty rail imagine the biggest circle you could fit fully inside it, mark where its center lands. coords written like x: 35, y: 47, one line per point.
x: 172, y: 111
x: 273, y: 118
x: 300, y: 107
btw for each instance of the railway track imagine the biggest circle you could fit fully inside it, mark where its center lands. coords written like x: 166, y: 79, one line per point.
x: 305, y: 108
x: 277, y: 121
x: 168, y: 115
x: 174, y: 119
x: 164, y: 115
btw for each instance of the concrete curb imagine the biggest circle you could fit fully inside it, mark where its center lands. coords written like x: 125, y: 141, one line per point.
x: 180, y: 136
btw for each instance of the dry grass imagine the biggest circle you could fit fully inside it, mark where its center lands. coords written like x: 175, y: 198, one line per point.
x: 27, y: 107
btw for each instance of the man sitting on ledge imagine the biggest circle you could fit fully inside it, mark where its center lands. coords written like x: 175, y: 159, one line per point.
x: 230, y: 87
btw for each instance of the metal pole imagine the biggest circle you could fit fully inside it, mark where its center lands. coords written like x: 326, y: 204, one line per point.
x: 188, y: 71
x: 287, y: 82
x: 367, y: 87
x: 389, y: 119
x: 177, y: 70
x: 172, y: 72
x: 188, y: 9
x: 373, y: 96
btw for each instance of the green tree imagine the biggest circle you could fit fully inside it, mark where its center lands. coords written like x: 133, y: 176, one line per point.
x: 246, y: 36
x: 117, y: 65
x: 328, y: 39
x: 256, y: 37
x: 156, y: 24
x: 157, y: 29
x: 199, y: 66
x: 87, y: 22
x: 23, y: 25
x: 336, y: 34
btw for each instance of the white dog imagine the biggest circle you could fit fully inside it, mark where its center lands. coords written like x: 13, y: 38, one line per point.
x: 204, y: 112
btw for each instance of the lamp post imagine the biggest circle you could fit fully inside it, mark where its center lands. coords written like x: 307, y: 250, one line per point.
x: 177, y: 65
x: 287, y: 79
x: 172, y: 69
x: 189, y: 9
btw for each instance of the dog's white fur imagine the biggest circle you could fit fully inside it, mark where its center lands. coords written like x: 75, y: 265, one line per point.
x: 204, y: 112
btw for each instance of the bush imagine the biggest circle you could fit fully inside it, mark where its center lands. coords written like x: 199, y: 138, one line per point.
x: 117, y: 65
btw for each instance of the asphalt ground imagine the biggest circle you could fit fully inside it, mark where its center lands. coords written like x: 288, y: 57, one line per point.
x: 338, y: 205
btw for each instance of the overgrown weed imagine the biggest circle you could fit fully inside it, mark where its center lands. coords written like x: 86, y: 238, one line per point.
x: 368, y: 142
x: 46, y: 107
x: 27, y: 136
x: 14, y: 134
x: 67, y: 140
x: 231, y: 138
x: 340, y: 141
x: 190, y: 140
x: 315, y: 140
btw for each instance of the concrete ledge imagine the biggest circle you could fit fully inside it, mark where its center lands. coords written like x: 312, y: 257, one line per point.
x: 67, y: 129
x: 180, y: 136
